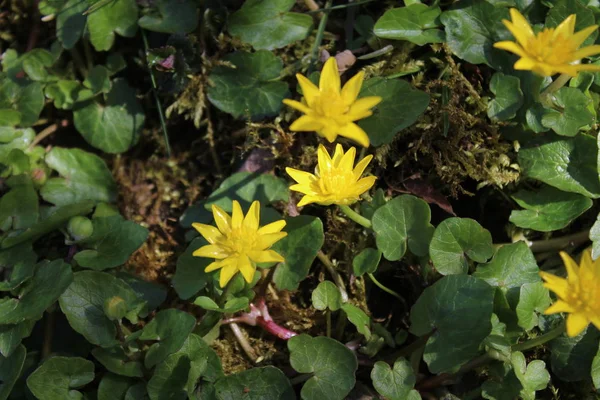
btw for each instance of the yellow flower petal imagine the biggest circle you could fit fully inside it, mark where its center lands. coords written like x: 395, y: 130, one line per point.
x: 273, y: 227
x: 265, y: 241
x: 337, y: 155
x: 521, y: 25
x: 585, y: 67
x: 213, y: 266
x: 352, y: 88
x: 586, y: 52
x: 519, y: 35
x: 525, y: 64
x: 364, y: 105
x: 571, y: 266
x: 330, y: 77
x: 246, y: 268
x: 251, y: 221
x: 347, y: 160
x: 266, y: 256
x: 558, y: 285
x: 356, y: 133
x: 237, y: 216
x: 361, y: 166
x: 329, y: 132
x: 309, y: 90
x: 222, y: 219
x: 227, y: 272
x: 559, y: 307
x: 509, y: 46
x: 297, y: 105
x: 365, y: 184
x: 302, y: 177
x: 209, y: 232
x: 583, y: 34
x: 323, y: 159
x: 306, y: 124
x: 302, y: 188
x: 307, y: 200
x: 576, y: 323
x: 565, y: 28
x: 211, y: 251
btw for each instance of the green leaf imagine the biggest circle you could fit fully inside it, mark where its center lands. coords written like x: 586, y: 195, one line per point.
x: 299, y: 248
x: 416, y: 23
x: 22, y: 103
x: 458, y: 310
x: 11, y: 138
x: 170, y: 328
x: 152, y: 293
x: 83, y: 304
x: 359, y: 319
x: 397, y: 383
x: 116, y: 361
x: 98, y: 80
x: 548, y: 209
x: 113, y: 387
x: 52, y: 222
x: 137, y: 392
x: 513, y: 265
x: 179, y: 373
x: 266, y: 383
x: 56, y: 378
x: 70, y: 22
x: 403, y: 222
x: 19, y: 208
x: 114, y: 240
x: 571, y: 113
x: 84, y: 176
x: 189, y: 276
x: 172, y: 17
x: 596, y: 370
x: 269, y: 25
x: 457, y: 239
x: 36, y: 63
x: 115, y: 125
x: 11, y: 336
x: 326, y: 296
x: 10, y: 370
x: 117, y: 16
x: 509, y: 97
x: 332, y: 364
x: 472, y: 28
x: 20, y: 273
x: 568, y: 164
x: 571, y: 358
x: 400, y: 107
x: 248, y: 90
x: 366, y: 262
x: 533, y: 376
x: 231, y: 306
x: 534, y: 299
x: 38, y: 293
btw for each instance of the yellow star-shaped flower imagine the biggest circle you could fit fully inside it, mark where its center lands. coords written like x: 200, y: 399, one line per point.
x: 238, y: 243
x: 552, y: 50
x: 579, y: 294
x: 337, y: 180
x: 331, y: 110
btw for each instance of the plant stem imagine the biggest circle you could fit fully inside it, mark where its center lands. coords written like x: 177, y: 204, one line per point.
x: 538, y: 341
x: 386, y: 289
x: 553, y: 87
x: 319, y: 38
x: 241, y: 338
x: 334, y: 274
x: 48, y: 334
x: 49, y: 130
x: 561, y: 242
x: 300, y: 378
x: 328, y: 318
x: 161, y: 115
x: 354, y: 216
x: 340, y: 7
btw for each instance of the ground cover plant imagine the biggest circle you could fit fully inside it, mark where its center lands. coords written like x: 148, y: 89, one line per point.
x: 279, y: 199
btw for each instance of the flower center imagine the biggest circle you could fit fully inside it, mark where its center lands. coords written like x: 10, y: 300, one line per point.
x: 585, y: 297
x: 240, y: 241
x: 336, y: 182
x: 330, y: 104
x: 548, y: 48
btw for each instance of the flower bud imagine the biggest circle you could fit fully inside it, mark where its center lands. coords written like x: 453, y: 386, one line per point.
x: 80, y: 228
x: 115, y: 308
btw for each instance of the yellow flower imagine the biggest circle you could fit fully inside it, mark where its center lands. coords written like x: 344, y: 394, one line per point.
x: 579, y: 294
x: 238, y: 243
x: 337, y: 181
x: 331, y: 110
x: 552, y: 50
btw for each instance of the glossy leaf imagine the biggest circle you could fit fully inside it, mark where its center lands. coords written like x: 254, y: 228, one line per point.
x: 416, y: 23
x: 509, y: 97
x: 326, y: 296
x: 57, y: 378
x: 265, y: 383
x: 396, y: 383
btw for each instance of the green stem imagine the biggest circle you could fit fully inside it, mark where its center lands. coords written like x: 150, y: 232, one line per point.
x: 327, y: 8
x: 301, y: 378
x: 328, y: 318
x: 553, y: 87
x: 354, y: 216
x: 540, y: 340
x: 386, y: 289
x: 542, y: 246
x: 339, y: 282
x: 319, y: 38
x: 156, y: 99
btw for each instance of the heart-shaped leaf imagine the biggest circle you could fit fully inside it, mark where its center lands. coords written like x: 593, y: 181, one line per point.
x: 416, y: 23
x: 57, y: 378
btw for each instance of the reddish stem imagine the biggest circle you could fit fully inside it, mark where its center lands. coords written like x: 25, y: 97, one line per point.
x: 259, y: 315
